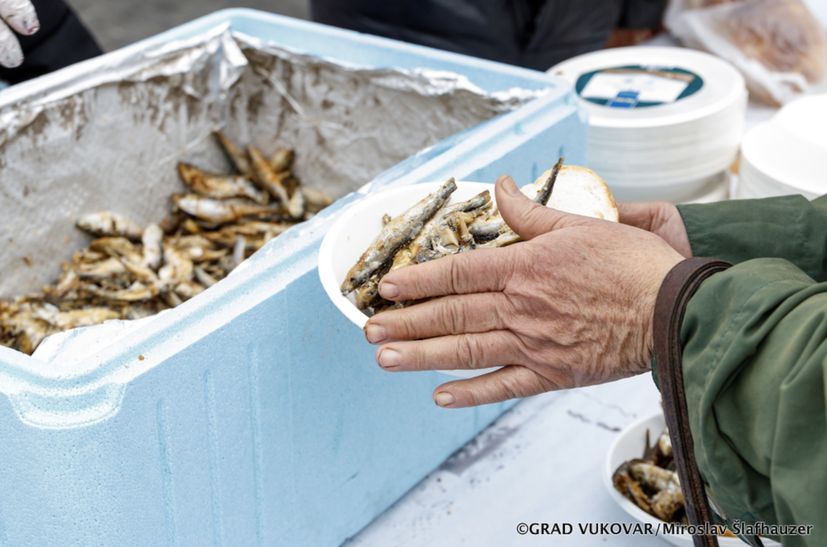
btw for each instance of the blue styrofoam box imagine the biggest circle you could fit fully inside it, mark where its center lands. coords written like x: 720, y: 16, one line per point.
x: 255, y: 414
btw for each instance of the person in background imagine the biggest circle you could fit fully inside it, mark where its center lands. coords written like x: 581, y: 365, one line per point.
x: 531, y: 33
x: 39, y: 37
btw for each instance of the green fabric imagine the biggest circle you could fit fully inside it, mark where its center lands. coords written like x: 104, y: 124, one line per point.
x: 754, y: 360
x: 755, y: 355
x: 787, y: 227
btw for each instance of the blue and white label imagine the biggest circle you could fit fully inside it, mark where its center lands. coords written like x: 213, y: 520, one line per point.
x: 637, y: 87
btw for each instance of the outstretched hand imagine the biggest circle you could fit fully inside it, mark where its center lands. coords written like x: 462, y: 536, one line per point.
x: 571, y: 305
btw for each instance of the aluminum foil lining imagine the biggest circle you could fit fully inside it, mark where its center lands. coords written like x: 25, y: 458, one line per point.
x: 110, y: 140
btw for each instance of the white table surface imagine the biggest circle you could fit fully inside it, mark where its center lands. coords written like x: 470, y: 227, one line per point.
x: 541, y: 462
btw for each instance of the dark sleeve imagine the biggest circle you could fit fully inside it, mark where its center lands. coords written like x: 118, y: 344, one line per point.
x: 532, y: 33
x: 754, y: 359
x: 642, y: 14
x: 61, y: 41
x: 787, y: 227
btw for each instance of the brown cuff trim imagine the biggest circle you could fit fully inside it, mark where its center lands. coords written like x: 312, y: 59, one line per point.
x: 677, y: 288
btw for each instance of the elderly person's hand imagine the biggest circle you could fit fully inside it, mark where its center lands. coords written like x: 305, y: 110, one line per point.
x: 571, y: 305
x: 662, y: 219
x: 15, y: 16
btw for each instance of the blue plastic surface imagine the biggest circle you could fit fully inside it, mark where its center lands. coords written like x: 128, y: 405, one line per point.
x: 255, y: 414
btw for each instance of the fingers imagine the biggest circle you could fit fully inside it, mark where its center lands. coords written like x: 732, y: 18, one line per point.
x: 20, y: 16
x: 639, y: 215
x: 470, y: 313
x: 11, y: 55
x: 660, y: 218
x: 464, y: 351
x: 501, y: 385
x: 524, y: 216
x: 484, y: 270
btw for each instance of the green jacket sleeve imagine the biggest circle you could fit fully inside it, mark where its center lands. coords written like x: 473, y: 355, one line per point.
x: 787, y: 227
x: 754, y: 361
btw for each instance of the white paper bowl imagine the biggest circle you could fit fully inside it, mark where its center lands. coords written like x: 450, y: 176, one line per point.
x: 358, y: 226
x: 628, y: 445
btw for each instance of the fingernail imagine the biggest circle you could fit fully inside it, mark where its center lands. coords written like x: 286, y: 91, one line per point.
x: 388, y: 290
x: 375, y: 333
x: 443, y: 398
x: 509, y: 186
x: 389, y: 358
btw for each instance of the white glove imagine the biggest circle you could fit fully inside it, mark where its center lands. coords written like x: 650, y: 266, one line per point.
x: 18, y: 16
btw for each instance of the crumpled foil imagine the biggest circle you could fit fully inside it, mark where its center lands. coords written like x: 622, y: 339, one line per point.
x: 110, y: 139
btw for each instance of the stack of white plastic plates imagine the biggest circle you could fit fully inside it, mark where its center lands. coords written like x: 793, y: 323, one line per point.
x: 717, y: 188
x: 788, y: 154
x: 663, y: 121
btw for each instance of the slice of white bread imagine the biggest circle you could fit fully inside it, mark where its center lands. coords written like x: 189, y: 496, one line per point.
x: 578, y: 190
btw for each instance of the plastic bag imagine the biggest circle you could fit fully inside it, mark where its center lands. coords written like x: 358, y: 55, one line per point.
x: 778, y: 45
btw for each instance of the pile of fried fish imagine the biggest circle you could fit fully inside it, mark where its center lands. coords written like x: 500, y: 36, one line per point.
x: 431, y: 229
x: 129, y: 271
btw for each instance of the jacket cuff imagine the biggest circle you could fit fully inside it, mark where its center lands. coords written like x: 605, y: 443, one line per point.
x: 677, y: 288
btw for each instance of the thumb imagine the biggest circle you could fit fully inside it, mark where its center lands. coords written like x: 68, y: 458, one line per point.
x: 526, y: 217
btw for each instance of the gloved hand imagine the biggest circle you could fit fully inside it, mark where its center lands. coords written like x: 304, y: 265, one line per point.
x: 15, y: 16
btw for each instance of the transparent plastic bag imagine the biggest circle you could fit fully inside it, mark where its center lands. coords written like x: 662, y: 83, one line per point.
x: 779, y: 45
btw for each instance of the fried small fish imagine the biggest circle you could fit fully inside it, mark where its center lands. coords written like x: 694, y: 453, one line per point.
x: 177, y: 269
x: 407, y: 256
x: 220, y: 211
x: 106, y: 223
x: 504, y: 234
x: 71, y: 319
x: 315, y: 199
x: 296, y: 204
x: 396, y: 233
x: 282, y: 159
x: 130, y: 273
x: 220, y: 186
x: 234, y: 153
x: 152, y: 240
x: 137, y: 292
x: 115, y: 246
x: 267, y: 178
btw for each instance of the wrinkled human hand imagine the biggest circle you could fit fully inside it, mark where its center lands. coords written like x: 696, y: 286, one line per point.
x: 15, y: 16
x: 571, y: 305
x: 662, y: 219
